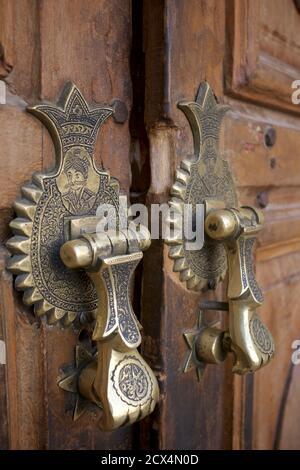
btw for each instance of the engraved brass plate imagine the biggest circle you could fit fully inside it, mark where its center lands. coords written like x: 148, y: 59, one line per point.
x: 206, y: 176
x: 118, y: 378
x: 229, y: 235
x: 49, y: 203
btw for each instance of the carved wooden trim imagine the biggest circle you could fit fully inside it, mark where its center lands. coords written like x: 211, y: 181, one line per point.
x: 252, y: 73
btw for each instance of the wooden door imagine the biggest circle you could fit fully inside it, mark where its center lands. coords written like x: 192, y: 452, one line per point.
x: 248, y: 50
x: 150, y: 54
x: 45, y: 44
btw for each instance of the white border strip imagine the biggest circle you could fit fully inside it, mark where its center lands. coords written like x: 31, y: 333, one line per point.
x: 2, y: 92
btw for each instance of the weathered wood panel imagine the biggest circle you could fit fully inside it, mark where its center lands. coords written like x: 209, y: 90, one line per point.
x: 279, y: 278
x: 19, y: 47
x: 252, y: 48
x: 262, y: 57
x: 43, y: 45
x: 288, y: 437
x: 183, y: 49
x: 193, y: 48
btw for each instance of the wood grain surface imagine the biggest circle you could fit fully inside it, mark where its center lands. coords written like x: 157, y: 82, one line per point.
x: 151, y: 54
x: 46, y: 44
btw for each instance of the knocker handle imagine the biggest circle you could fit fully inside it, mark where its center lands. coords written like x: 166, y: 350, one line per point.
x: 249, y: 340
x: 122, y: 382
x: 73, y: 271
x: 230, y: 232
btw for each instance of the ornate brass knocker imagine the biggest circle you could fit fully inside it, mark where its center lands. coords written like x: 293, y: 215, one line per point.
x: 74, y: 274
x: 230, y: 232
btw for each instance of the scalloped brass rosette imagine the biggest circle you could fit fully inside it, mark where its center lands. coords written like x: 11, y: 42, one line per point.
x: 229, y: 236
x: 48, y: 203
x: 204, y: 176
x: 71, y: 267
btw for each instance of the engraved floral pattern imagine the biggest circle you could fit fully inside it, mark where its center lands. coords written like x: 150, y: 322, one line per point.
x: 73, y: 189
x: 204, y: 177
x: 261, y: 336
x: 132, y: 382
x: 126, y: 318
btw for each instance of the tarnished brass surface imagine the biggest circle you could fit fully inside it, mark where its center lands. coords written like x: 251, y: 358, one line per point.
x: 205, y: 176
x: 122, y: 381
x: 84, y: 368
x: 47, y: 204
x: 205, y: 345
x: 209, y: 346
x: 230, y: 233
x: 248, y: 338
x: 70, y: 271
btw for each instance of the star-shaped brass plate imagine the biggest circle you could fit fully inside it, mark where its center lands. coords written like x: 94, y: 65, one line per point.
x: 191, y: 361
x: 69, y: 382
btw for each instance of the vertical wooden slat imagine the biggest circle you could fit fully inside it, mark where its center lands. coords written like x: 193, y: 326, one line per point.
x: 43, y: 45
x: 184, y: 44
x: 24, y: 371
x: 88, y: 43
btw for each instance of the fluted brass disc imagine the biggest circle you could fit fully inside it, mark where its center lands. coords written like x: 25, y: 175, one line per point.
x: 48, y: 203
x: 206, y: 176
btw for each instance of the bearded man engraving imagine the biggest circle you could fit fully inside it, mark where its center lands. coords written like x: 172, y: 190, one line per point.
x: 78, y: 196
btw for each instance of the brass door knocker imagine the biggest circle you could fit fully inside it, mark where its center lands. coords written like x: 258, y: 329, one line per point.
x: 74, y: 274
x: 230, y: 232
